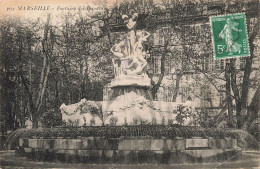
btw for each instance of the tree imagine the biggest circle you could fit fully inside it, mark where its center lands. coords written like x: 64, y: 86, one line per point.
x: 47, y: 48
x: 18, y: 40
x: 189, y: 37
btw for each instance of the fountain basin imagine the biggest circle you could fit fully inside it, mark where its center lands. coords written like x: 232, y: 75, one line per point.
x: 135, y: 150
x: 129, y: 144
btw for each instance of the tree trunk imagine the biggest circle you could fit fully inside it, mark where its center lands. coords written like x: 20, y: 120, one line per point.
x: 241, y: 101
x: 177, y: 85
x: 228, y: 95
x: 236, y: 93
x: 44, y: 73
x: 253, y: 110
x: 35, y: 106
x: 82, y: 85
x: 30, y: 98
x: 246, y: 77
x: 43, y: 80
x: 252, y: 114
x: 158, y: 84
x: 106, y: 22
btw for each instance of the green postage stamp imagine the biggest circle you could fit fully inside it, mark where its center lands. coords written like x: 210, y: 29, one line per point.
x: 229, y: 36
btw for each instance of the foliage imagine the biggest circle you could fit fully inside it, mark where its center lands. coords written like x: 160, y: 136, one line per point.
x: 170, y: 122
x: 144, y: 122
x: 245, y: 140
x: 125, y: 122
x: 113, y: 121
x: 50, y: 64
x: 207, y: 118
x: 155, y: 131
x: 154, y: 121
x: 72, y: 123
x: 92, y: 122
x: 51, y: 118
x: 163, y: 121
x: 186, y: 115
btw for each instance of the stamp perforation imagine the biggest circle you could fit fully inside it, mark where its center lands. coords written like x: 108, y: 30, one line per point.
x: 246, y: 31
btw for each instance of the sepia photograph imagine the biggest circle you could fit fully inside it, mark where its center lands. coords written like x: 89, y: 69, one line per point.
x: 126, y: 84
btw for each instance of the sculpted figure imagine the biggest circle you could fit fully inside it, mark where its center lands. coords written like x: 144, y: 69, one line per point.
x: 131, y: 25
x: 118, y: 50
x: 139, y: 62
x: 120, y: 59
x: 142, y: 35
x: 130, y: 50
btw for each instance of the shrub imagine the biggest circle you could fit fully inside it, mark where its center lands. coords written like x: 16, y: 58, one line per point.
x: 92, y: 122
x: 154, y: 121
x: 186, y: 115
x: 51, y: 118
x: 125, y: 122
x: 113, y: 121
x: 135, y: 121
x: 163, y: 121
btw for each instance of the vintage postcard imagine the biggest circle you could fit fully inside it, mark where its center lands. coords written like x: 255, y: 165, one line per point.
x: 129, y: 84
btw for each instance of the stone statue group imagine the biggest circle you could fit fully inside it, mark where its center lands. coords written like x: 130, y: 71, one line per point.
x: 129, y: 53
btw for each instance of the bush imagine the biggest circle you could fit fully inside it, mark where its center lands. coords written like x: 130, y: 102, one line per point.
x: 113, y: 121
x: 186, y: 115
x: 245, y: 140
x: 51, y: 118
x: 155, y: 131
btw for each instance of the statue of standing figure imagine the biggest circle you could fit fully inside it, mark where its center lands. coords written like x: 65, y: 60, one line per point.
x: 129, y: 54
x: 227, y: 35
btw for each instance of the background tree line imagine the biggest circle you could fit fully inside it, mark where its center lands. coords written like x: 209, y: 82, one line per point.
x: 44, y: 64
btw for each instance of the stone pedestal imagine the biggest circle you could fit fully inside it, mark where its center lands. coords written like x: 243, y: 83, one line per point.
x: 129, y: 93
x: 130, y: 99
x: 131, y: 80
x: 127, y: 88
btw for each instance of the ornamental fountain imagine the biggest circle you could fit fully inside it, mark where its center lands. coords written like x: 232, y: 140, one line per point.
x: 130, y: 102
x: 129, y: 97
